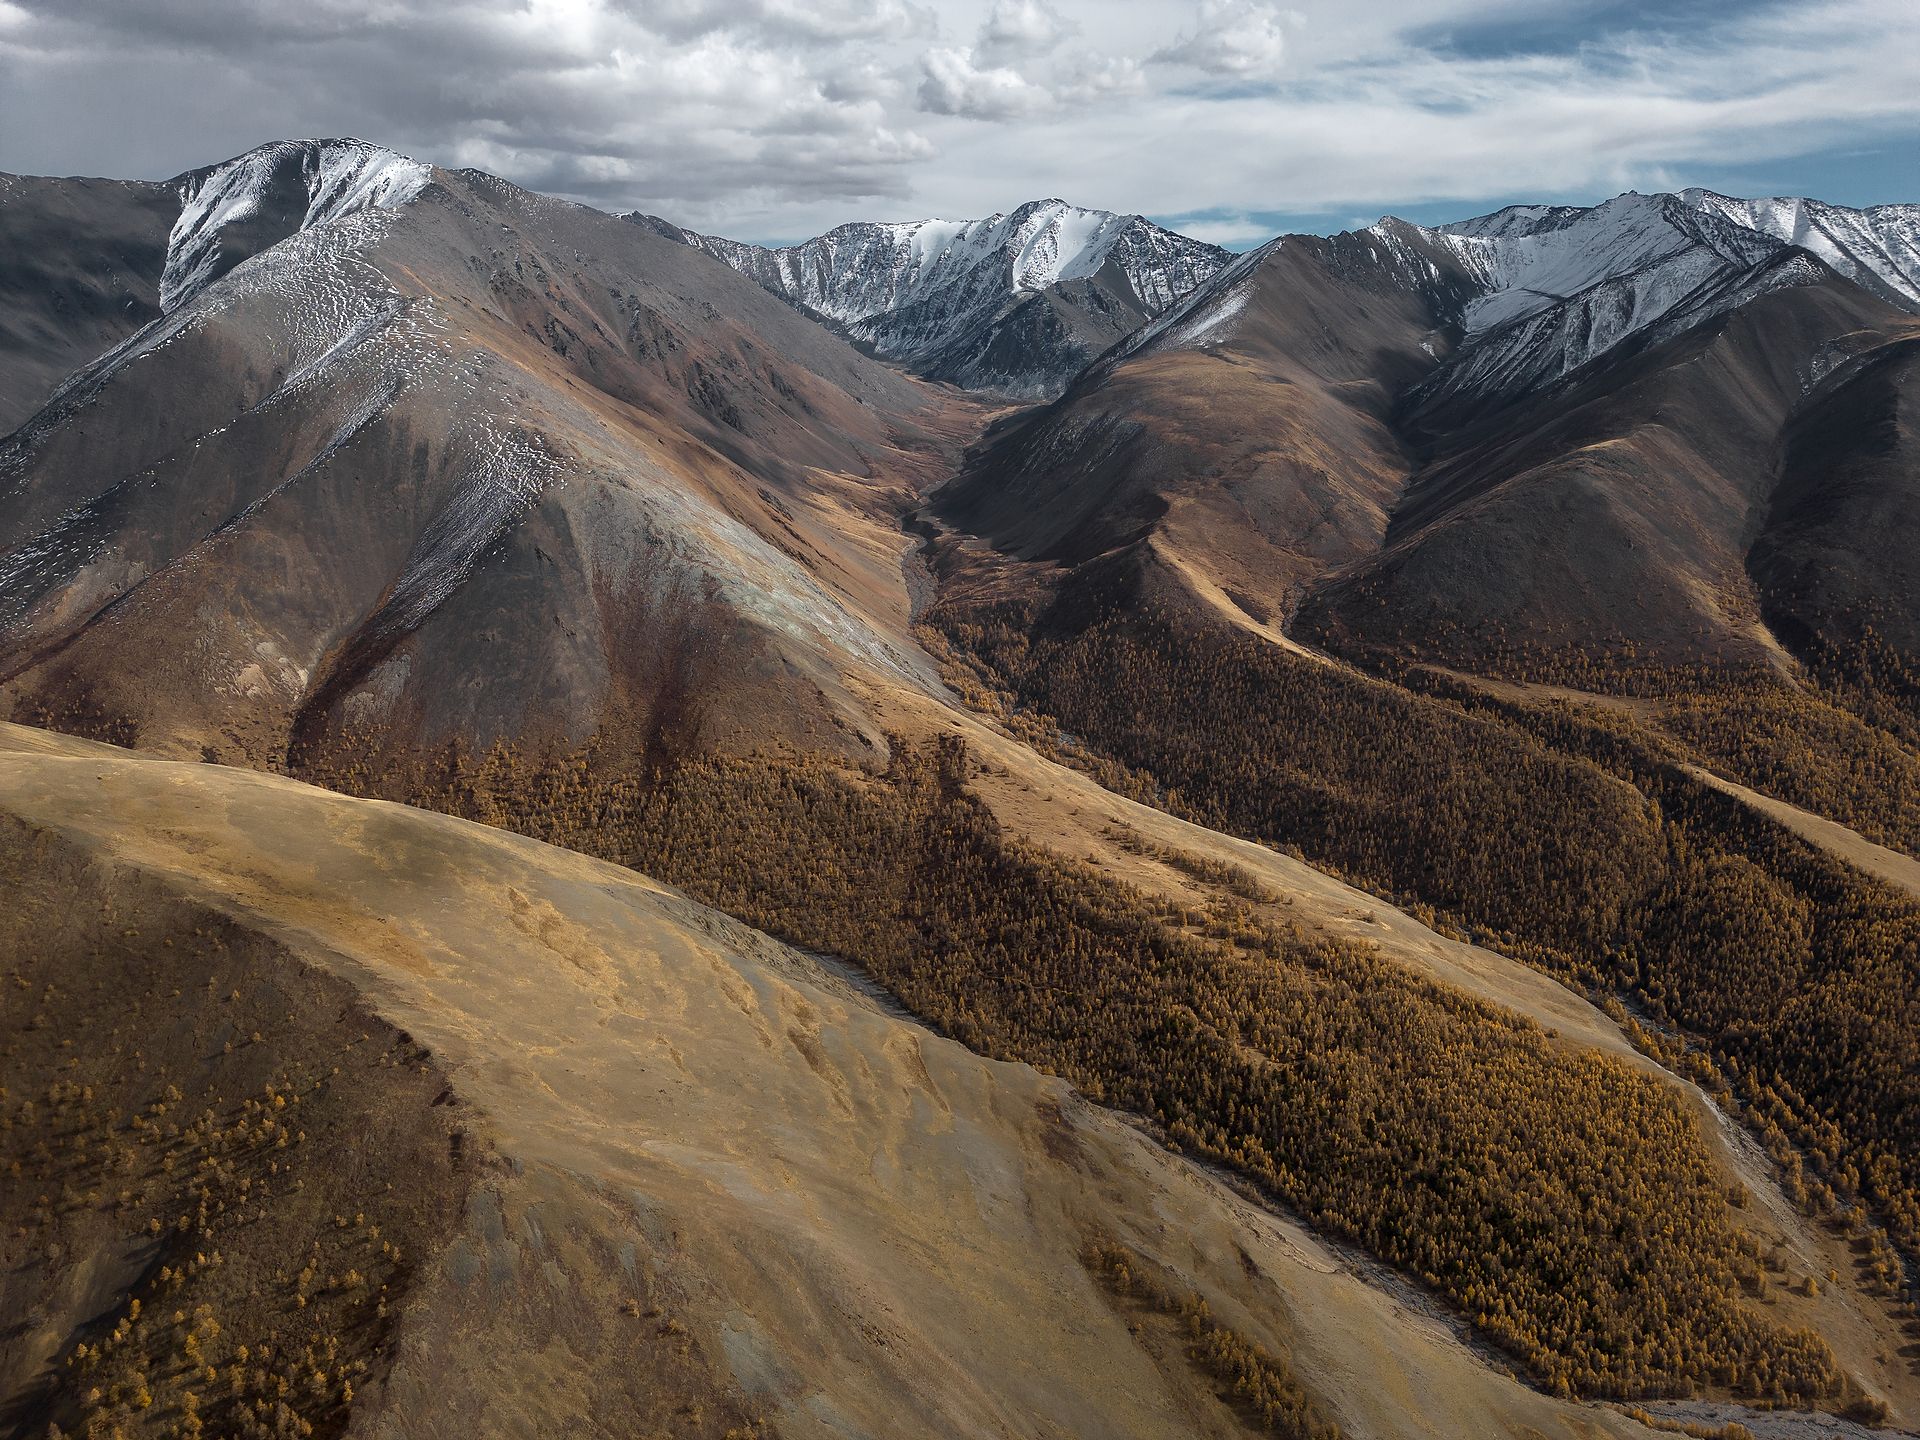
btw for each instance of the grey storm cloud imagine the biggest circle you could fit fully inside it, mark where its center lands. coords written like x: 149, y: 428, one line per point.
x: 774, y: 118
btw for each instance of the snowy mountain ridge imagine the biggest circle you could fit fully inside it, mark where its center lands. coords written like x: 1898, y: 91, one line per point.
x: 1015, y: 302
x: 1526, y: 266
x: 1878, y: 248
x: 1559, y: 286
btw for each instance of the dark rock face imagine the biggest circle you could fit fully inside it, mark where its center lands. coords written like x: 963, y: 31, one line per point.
x: 80, y: 264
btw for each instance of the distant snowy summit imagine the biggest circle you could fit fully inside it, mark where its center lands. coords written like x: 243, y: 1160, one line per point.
x: 1528, y: 295
x: 1877, y: 248
x: 1559, y: 286
x: 1016, y: 304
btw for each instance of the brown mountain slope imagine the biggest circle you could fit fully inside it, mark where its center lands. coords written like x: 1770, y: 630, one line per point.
x: 1250, y: 433
x: 1610, y: 516
x: 1852, y: 469
x: 647, y: 1169
x: 482, y: 465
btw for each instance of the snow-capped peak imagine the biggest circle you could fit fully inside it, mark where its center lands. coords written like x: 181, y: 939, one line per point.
x: 234, y: 210
x: 861, y: 270
x: 1057, y: 241
x: 1877, y: 248
x: 935, y: 293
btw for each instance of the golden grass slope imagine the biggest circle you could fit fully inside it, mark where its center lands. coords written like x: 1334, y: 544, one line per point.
x: 828, y: 1220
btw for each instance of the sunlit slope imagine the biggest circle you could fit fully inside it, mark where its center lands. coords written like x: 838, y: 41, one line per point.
x: 825, y: 1217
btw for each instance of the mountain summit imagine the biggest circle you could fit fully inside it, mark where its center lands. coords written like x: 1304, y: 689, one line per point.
x: 1015, y: 303
x: 233, y: 210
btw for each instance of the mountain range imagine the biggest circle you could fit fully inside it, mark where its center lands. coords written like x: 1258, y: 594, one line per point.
x: 1112, y: 837
x: 1437, y: 406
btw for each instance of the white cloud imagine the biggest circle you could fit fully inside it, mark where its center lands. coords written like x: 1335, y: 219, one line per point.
x: 953, y: 83
x: 1238, y: 39
x: 1017, y: 29
x: 778, y: 118
x: 1016, y: 69
x: 1088, y: 77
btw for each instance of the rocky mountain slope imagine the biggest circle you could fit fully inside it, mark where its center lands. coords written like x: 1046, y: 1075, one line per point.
x: 391, y: 424
x: 87, y: 263
x: 1342, y: 412
x: 1014, y: 304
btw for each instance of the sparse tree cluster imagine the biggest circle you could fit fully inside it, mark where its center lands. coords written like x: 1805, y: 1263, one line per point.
x: 206, y: 1119
x: 1260, y: 1384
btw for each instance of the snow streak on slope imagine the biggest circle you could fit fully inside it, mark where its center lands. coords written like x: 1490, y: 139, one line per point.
x: 288, y: 186
x: 1560, y: 286
x: 1877, y: 248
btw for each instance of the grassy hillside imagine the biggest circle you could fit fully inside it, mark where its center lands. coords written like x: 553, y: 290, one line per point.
x: 1562, y: 1202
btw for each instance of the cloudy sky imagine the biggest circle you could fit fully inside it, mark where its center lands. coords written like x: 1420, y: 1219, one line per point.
x: 773, y: 119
